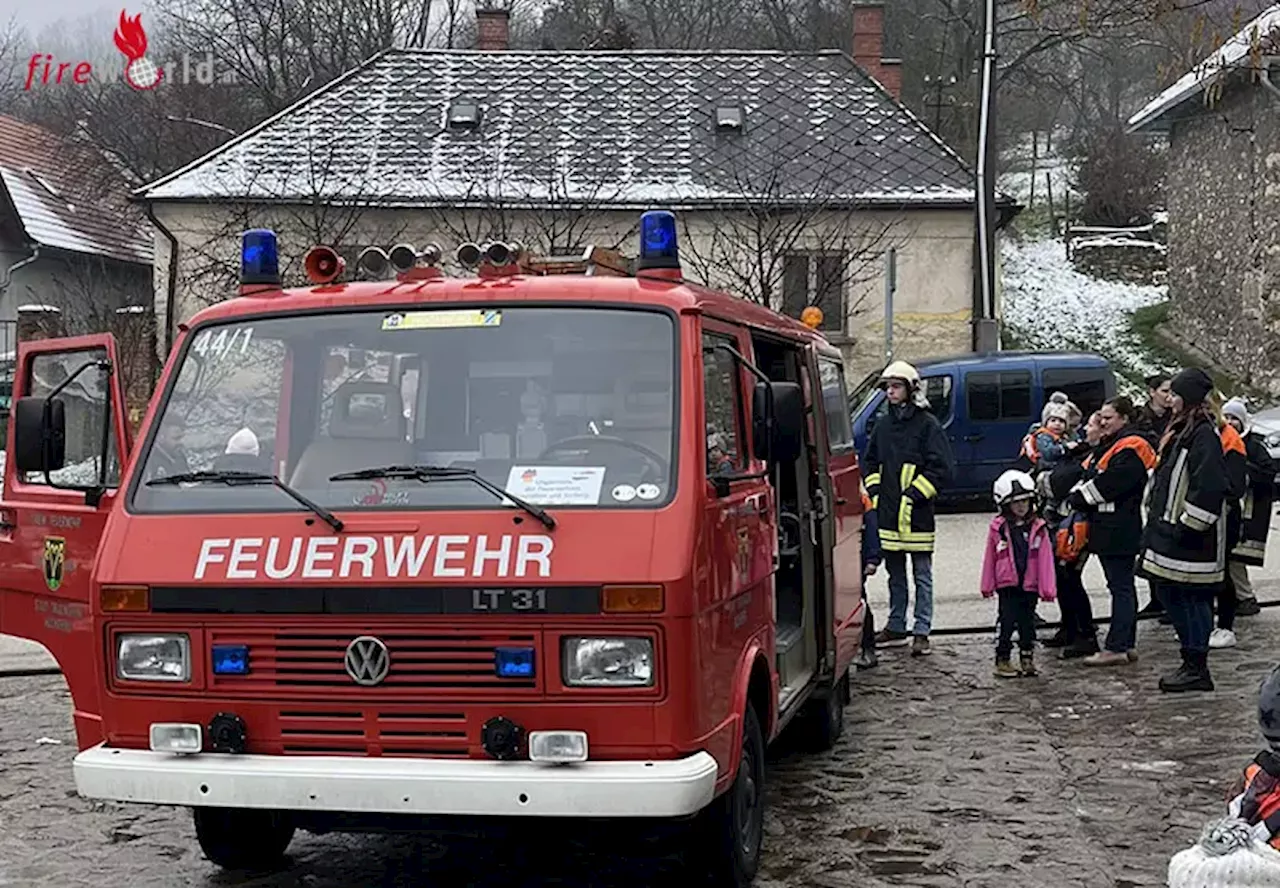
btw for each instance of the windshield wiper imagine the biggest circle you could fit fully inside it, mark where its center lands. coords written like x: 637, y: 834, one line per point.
x: 233, y: 478
x: 445, y: 473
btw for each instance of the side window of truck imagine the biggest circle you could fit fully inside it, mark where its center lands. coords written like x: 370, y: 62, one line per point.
x: 722, y: 405
x: 999, y: 396
x: 86, y: 401
x: 836, y: 405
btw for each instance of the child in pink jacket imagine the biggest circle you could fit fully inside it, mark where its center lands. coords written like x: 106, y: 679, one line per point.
x: 1017, y: 566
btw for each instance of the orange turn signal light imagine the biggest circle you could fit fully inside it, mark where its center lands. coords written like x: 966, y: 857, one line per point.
x: 125, y: 598
x: 632, y: 599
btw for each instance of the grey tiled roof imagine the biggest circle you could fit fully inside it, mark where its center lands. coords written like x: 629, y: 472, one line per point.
x: 613, y: 128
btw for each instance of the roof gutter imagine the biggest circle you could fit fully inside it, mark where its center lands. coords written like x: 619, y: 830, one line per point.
x: 171, y: 285
x: 8, y: 272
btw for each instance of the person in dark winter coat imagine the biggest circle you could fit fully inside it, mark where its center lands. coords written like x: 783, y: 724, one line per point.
x: 1255, y: 526
x: 1250, y: 545
x: 908, y: 462
x: 1235, y: 461
x: 1184, y: 546
x: 1078, y: 635
x: 1110, y: 492
x: 871, y: 558
x: 1153, y: 419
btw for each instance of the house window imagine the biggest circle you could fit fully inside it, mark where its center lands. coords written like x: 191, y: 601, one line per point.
x: 814, y: 279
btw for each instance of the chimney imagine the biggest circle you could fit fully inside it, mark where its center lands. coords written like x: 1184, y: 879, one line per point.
x: 493, y: 29
x: 868, y: 46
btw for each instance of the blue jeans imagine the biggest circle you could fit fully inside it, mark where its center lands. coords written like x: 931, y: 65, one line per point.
x: 1191, y: 609
x: 895, y: 563
x: 1123, y: 635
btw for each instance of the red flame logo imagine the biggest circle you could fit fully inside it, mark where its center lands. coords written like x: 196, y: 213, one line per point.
x: 130, y: 37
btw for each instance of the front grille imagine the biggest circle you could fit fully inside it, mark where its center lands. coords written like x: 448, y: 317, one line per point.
x: 372, y: 732
x: 298, y: 661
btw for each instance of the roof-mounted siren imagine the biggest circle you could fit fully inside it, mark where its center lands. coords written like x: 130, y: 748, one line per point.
x: 469, y: 255
x: 659, y: 250
x: 499, y: 254
x: 323, y: 265
x: 406, y: 257
x: 373, y: 261
x: 259, y: 258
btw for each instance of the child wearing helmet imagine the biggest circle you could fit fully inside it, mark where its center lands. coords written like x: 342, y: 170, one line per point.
x: 1018, y: 566
x: 1243, y: 848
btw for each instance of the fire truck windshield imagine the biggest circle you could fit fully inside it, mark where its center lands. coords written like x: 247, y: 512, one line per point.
x: 565, y: 407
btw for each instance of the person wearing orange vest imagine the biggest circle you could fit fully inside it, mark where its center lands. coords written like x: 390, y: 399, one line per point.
x: 1242, y: 848
x: 1111, y: 495
x: 1235, y: 460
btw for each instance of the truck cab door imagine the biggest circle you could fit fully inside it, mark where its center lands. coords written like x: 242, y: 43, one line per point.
x: 51, y: 521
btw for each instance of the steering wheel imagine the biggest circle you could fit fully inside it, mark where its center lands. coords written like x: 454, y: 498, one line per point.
x: 655, y: 461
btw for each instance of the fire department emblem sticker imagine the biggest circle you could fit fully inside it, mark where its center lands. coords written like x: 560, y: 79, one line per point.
x: 55, y: 556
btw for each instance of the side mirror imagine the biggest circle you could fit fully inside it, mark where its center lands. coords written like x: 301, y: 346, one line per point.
x: 39, y: 434
x: 778, y: 426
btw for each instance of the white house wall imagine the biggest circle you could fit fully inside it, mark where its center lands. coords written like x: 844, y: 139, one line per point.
x: 933, y: 303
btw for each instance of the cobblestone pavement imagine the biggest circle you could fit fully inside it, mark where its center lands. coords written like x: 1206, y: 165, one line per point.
x: 945, y: 777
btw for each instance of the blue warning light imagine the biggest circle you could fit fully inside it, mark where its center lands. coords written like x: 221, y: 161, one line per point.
x: 259, y: 258
x: 658, y: 247
x: 230, y: 659
x: 514, y: 662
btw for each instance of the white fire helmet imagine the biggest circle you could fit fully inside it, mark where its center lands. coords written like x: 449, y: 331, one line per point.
x: 1013, y: 486
x: 901, y: 370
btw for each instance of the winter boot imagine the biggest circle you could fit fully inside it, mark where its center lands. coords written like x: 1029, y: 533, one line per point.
x: 1058, y: 639
x: 1192, y: 675
x: 1005, y: 669
x: 889, y: 638
x: 920, y: 646
x: 1080, y: 648
x: 1028, y: 663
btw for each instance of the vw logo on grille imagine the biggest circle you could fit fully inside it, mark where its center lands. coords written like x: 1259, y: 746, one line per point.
x: 368, y: 661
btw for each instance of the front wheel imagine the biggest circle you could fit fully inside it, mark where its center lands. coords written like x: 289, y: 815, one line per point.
x: 730, y: 831
x: 243, y: 838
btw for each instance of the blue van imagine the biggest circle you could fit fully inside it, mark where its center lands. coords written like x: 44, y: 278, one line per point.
x: 986, y: 404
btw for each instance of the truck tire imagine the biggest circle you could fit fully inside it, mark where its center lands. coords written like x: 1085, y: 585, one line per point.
x: 823, y: 724
x: 243, y: 838
x: 730, y: 831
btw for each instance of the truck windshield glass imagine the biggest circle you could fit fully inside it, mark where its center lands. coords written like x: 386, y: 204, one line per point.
x: 564, y: 407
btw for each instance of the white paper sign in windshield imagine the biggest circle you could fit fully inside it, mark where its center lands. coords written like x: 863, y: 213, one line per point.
x: 557, y: 485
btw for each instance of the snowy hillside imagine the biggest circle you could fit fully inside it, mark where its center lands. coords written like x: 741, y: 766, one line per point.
x: 1050, y: 305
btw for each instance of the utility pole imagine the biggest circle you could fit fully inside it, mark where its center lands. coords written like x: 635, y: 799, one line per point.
x: 890, y: 287
x: 985, y: 333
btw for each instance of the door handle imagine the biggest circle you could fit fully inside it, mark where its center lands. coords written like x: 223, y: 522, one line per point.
x: 972, y: 438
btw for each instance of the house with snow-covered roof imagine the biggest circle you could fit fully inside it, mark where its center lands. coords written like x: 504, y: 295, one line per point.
x: 70, y: 238
x: 1222, y: 123
x: 791, y: 173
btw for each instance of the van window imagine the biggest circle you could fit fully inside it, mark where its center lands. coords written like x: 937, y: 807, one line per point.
x: 994, y: 396
x: 836, y: 404
x: 938, y: 390
x: 722, y: 399
x: 1085, y: 386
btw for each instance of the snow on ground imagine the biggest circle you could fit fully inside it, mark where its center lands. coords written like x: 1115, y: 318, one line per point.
x: 1048, y: 305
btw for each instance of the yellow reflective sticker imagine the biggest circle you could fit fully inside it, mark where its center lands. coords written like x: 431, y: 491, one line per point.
x: 428, y: 320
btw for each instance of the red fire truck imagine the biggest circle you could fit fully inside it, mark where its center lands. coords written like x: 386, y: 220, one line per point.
x: 559, y: 538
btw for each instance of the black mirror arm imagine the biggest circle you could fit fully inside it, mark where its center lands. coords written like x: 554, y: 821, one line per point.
x: 722, y: 482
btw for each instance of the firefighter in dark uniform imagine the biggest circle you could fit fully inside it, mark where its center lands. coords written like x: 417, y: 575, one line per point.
x: 1184, y: 546
x: 1250, y: 547
x: 908, y: 462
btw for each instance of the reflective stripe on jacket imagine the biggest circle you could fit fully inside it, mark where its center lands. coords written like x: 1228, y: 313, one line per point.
x: 1186, y: 534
